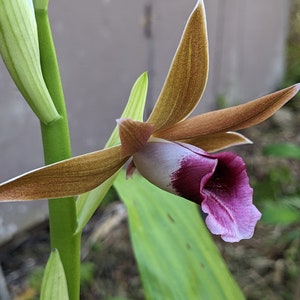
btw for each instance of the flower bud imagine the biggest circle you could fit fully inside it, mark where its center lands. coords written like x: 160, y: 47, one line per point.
x: 19, y: 48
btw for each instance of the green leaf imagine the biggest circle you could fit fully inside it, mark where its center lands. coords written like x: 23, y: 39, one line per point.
x: 54, y: 284
x: 134, y: 108
x: 293, y: 201
x: 287, y: 150
x: 176, y: 256
x: 285, y: 212
x: 88, y: 203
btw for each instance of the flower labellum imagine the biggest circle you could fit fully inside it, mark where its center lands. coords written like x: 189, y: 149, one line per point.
x: 217, y: 182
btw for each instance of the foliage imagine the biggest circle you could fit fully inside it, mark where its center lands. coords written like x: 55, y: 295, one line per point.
x: 54, y: 285
x: 87, y: 270
x: 176, y: 257
x: 279, y: 206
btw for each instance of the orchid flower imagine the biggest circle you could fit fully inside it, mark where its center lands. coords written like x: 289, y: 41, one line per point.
x: 172, y: 151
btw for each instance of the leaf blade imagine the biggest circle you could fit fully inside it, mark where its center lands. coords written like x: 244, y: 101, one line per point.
x: 177, y: 259
x: 88, y: 203
x: 54, y: 285
x: 134, y: 108
x: 286, y: 150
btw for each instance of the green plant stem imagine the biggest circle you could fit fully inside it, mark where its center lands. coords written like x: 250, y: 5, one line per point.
x: 56, y: 142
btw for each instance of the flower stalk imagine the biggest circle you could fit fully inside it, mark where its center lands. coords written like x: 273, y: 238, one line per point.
x: 56, y: 143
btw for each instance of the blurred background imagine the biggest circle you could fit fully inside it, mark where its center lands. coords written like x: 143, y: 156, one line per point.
x: 103, y: 46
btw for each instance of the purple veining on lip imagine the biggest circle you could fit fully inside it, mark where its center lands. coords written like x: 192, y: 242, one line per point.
x: 223, y: 192
x: 194, y: 172
x: 217, y: 182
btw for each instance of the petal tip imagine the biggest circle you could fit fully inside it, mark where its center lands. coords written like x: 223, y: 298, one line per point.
x: 199, y: 2
x: 240, y: 138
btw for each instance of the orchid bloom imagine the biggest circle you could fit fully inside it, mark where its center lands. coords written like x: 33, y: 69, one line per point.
x: 172, y: 151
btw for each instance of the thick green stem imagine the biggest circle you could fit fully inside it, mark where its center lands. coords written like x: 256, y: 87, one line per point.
x: 56, y: 142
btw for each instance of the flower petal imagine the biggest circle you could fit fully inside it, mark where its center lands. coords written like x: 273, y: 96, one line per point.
x: 66, y: 178
x: 232, y: 118
x: 227, y: 199
x: 175, y: 167
x: 187, y: 76
x: 133, y: 135
x: 217, y: 141
x: 158, y: 160
x: 217, y: 182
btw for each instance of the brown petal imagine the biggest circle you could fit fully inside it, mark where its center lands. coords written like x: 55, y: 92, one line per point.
x: 230, y: 119
x: 217, y: 141
x: 133, y: 135
x: 187, y: 76
x: 66, y: 178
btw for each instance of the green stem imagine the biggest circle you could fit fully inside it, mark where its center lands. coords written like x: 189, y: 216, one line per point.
x: 56, y: 142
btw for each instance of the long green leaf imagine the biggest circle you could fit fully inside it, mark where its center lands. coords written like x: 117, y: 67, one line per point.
x: 88, y: 203
x: 285, y: 211
x: 54, y: 284
x: 287, y: 150
x: 135, y: 106
x: 177, y: 258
